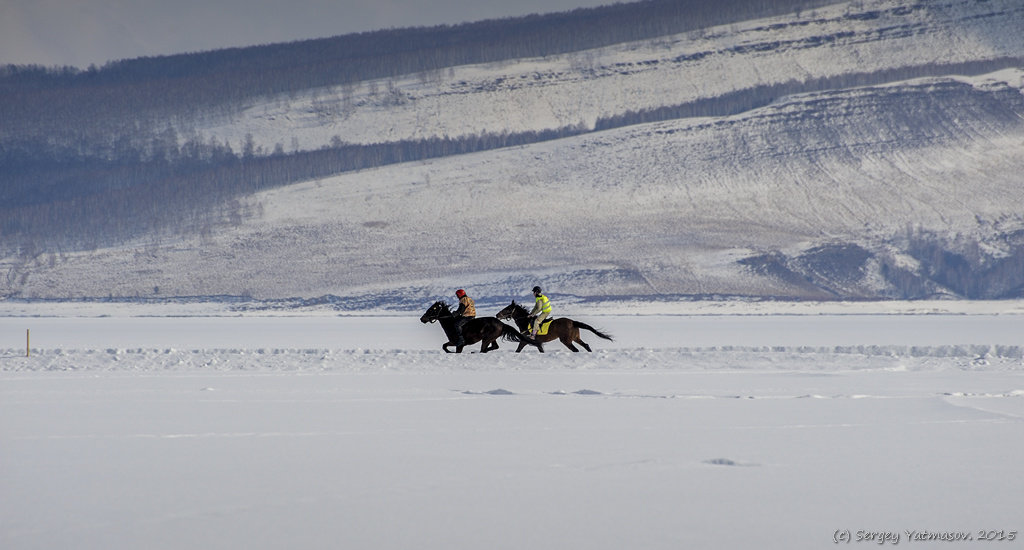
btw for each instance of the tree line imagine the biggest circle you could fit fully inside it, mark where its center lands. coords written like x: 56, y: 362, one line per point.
x: 71, y: 106
x: 97, y: 202
x: 960, y: 265
x: 740, y: 101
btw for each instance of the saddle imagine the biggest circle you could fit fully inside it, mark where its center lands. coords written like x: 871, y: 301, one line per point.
x: 543, y: 327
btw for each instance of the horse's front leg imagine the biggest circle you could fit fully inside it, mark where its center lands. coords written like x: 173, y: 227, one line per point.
x: 458, y: 348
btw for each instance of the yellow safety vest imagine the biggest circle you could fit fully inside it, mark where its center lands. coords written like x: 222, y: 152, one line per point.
x: 544, y: 304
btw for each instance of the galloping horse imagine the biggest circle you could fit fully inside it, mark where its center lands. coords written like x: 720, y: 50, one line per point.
x: 485, y: 330
x: 563, y: 328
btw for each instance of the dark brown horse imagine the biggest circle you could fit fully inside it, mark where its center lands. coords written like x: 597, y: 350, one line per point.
x: 485, y: 330
x: 563, y: 328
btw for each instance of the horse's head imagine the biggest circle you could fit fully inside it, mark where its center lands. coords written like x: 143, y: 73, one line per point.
x: 508, y: 312
x: 435, y: 312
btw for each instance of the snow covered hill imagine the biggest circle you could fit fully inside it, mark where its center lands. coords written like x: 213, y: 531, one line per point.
x: 861, y: 38
x: 822, y: 194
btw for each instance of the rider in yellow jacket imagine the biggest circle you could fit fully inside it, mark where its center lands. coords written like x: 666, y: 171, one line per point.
x: 541, y: 310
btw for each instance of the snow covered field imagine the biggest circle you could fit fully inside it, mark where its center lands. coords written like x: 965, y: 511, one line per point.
x: 688, y: 431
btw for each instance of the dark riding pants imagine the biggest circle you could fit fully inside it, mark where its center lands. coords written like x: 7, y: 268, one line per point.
x: 459, y: 323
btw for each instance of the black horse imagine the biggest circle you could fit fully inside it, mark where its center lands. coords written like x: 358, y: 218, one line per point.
x: 485, y: 330
x: 563, y: 328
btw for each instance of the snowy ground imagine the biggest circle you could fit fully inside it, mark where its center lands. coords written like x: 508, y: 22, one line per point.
x: 688, y: 431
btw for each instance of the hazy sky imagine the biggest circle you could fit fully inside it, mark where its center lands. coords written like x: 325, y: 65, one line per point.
x: 83, y: 32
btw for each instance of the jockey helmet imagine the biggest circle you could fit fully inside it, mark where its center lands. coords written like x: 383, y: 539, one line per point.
x: 460, y: 293
x: 536, y: 289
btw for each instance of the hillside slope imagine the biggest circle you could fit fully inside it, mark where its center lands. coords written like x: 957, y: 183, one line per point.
x: 883, y: 187
x: 659, y: 209
x: 849, y: 43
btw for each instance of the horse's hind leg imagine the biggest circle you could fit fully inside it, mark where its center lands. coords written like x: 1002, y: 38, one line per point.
x: 584, y: 344
x: 576, y: 338
x: 568, y: 343
x: 486, y: 346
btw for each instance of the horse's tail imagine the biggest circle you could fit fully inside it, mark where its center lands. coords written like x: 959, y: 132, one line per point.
x: 512, y: 334
x: 592, y: 329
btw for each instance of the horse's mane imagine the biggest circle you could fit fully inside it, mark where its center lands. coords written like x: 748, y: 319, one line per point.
x: 519, y: 308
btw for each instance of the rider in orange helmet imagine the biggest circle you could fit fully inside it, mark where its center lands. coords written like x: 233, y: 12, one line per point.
x: 466, y: 311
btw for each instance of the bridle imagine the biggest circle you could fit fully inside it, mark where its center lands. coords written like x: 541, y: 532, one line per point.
x: 513, y: 308
x: 442, y: 310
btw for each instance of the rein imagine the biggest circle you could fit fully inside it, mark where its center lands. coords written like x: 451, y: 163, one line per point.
x: 518, y: 312
x: 446, y: 313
